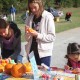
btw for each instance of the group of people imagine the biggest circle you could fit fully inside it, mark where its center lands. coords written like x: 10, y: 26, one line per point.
x: 40, y: 41
x: 12, y: 11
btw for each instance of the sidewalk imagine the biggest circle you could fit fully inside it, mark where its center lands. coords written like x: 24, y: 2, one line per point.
x: 60, y: 46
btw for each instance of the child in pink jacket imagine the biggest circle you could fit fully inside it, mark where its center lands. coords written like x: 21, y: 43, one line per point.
x: 73, y: 56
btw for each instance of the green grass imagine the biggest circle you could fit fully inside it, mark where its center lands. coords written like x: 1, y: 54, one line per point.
x: 60, y: 26
x: 64, y: 25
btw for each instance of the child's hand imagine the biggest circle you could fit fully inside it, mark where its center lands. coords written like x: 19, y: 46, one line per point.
x: 76, y: 70
x: 66, y: 67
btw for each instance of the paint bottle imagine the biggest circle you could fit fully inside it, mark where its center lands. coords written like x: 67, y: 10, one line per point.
x: 77, y: 77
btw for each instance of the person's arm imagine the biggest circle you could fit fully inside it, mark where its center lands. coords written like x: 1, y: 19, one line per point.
x: 76, y: 71
x: 69, y: 66
x: 14, y: 9
x: 27, y: 22
x: 50, y: 35
x: 27, y: 35
x: 17, y: 49
x: 49, y: 27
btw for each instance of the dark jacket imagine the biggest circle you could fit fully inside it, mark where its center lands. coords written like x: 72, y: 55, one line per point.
x: 17, y: 41
x: 12, y: 10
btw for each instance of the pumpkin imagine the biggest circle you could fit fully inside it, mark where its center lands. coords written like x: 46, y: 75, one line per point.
x: 1, y: 68
x: 30, y: 30
x: 8, y: 67
x: 17, y: 70
x: 3, y: 62
x: 28, y: 67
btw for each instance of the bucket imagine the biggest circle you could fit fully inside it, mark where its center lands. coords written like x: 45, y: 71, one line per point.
x: 57, y: 19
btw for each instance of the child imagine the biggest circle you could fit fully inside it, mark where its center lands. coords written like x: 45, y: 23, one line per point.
x: 73, y: 56
x: 68, y: 16
x: 4, y: 16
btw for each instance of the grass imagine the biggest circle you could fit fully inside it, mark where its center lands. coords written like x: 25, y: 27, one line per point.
x: 60, y: 26
x: 63, y: 25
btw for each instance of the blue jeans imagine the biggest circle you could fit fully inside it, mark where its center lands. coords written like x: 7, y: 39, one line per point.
x: 46, y: 60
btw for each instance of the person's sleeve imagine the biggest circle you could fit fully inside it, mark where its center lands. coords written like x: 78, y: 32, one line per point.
x: 27, y: 22
x: 17, y: 49
x: 15, y: 9
x: 50, y: 35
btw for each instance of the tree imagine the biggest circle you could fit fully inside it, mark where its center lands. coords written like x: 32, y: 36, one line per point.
x: 66, y: 3
x: 6, y: 4
x: 49, y: 3
x: 76, y: 3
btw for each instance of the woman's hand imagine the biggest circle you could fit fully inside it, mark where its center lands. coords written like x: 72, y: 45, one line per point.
x: 34, y: 33
x: 31, y: 31
x: 26, y: 29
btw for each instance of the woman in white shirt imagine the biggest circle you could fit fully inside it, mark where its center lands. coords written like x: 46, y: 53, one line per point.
x: 41, y: 40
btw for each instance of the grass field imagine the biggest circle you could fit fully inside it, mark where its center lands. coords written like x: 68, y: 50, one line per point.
x: 62, y: 25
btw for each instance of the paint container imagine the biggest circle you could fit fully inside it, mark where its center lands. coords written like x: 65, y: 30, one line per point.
x: 1, y: 76
x: 77, y: 77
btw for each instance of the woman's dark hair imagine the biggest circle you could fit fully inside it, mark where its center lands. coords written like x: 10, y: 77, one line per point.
x: 40, y: 2
x: 3, y: 23
x: 15, y: 28
x: 73, y: 48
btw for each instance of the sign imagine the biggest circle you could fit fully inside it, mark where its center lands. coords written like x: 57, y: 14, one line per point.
x: 34, y: 65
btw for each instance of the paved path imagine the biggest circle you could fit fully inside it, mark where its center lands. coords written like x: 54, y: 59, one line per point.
x: 60, y: 46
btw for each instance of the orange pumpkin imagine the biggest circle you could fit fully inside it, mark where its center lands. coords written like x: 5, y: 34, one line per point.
x: 8, y: 68
x: 28, y: 67
x: 30, y: 30
x: 3, y: 62
x: 17, y: 70
x: 1, y: 68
